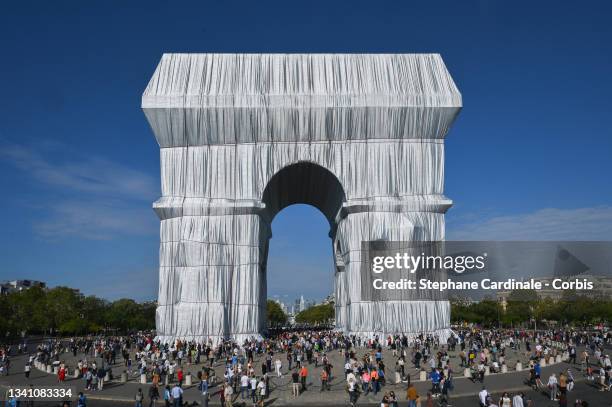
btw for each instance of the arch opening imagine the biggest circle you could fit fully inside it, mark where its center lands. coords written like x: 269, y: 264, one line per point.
x: 304, y: 183
x: 309, y: 184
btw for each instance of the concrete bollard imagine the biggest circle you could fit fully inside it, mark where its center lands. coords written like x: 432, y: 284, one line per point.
x: 543, y: 362
x: 143, y: 379
x: 519, y: 366
x: 49, y: 369
x: 76, y: 373
x: 559, y: 359
x: 107, y: 377
x: 565, y: 356
x: 551, y: 360
x: 188, y: 379
x: 467, y: 373
x: 55, y: 369
x: 487, y: 370
x: 423, y: 375
x: 504, y: 368
x: 124, y: 377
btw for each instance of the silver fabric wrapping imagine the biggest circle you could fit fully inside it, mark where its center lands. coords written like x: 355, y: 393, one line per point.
x: 244, y: 135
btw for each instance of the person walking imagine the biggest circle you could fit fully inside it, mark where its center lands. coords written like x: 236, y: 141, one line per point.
x: 153, y: 395
x: 412, y: 395
x: 483, y: 397
x: 82, y: 400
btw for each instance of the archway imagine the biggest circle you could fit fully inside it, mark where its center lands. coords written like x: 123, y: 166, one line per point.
x: 303, y: 183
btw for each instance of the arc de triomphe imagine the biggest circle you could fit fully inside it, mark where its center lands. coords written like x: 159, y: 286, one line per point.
x: 359, y: 136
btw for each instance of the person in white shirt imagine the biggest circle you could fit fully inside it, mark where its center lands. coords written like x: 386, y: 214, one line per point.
x: 244, y: 386
x: 228, y: 393
x: 253, y: 383
x: 483, y: 396
x: 517, y: 401
x: 261, y: 387
x: 553, y: 386
x: 278, y: 364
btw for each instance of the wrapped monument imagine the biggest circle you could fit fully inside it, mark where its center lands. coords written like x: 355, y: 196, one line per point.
x: 359, y: 136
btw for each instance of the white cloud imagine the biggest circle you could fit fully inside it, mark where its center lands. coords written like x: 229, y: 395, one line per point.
x: 85, y: 196
x: 86, y: 174
x: 545, y: 224
x: 96, y: 220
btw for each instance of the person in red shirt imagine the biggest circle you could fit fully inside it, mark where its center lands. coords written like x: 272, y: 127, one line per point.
x: 303, y: 376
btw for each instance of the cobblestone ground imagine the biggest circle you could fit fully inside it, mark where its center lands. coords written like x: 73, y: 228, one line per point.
x: 463, y: 394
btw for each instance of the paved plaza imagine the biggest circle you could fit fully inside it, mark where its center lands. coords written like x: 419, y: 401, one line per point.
x: 118, y: 393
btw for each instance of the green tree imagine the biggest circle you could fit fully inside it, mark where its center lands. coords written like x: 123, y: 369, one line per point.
x: 276, y: 315
x: 62, y: 305
x: 318, y: 314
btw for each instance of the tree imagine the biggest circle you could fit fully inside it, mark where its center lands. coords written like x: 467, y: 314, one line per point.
x: 276, y: 315
x: 318, y: 314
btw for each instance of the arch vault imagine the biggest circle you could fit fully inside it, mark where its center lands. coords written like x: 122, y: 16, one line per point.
x: 243, y: 135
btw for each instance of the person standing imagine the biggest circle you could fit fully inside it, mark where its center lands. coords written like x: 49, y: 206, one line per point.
x: 139, y: 397
x: 244, y: 386
x: 505, y: 400
x: 483, y: 397
x: 278, y: 364
x: 553, y: 386
x: 412, y: 395
x: 167, y: 396
x: 324, y: 378
x: 253, y: 383
x: 177, y: 395
x: 303, y: 376
x: 352, y: 389
x: 203, y: 387
x: 517, y: 400
x: 295, y: 379
x: 101, y: 375
x: 261, y: 389
x: 228, y: 392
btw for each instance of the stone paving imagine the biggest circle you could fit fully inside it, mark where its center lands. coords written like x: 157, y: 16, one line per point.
x: 280, y: 387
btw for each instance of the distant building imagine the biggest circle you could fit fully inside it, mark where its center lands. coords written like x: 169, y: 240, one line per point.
x: 330, y: 299
x: 8, y: 287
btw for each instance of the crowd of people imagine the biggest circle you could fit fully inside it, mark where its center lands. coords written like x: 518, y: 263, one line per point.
x: 249, y: 372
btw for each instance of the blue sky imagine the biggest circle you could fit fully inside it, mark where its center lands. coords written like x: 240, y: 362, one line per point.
x: 528, y: 158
